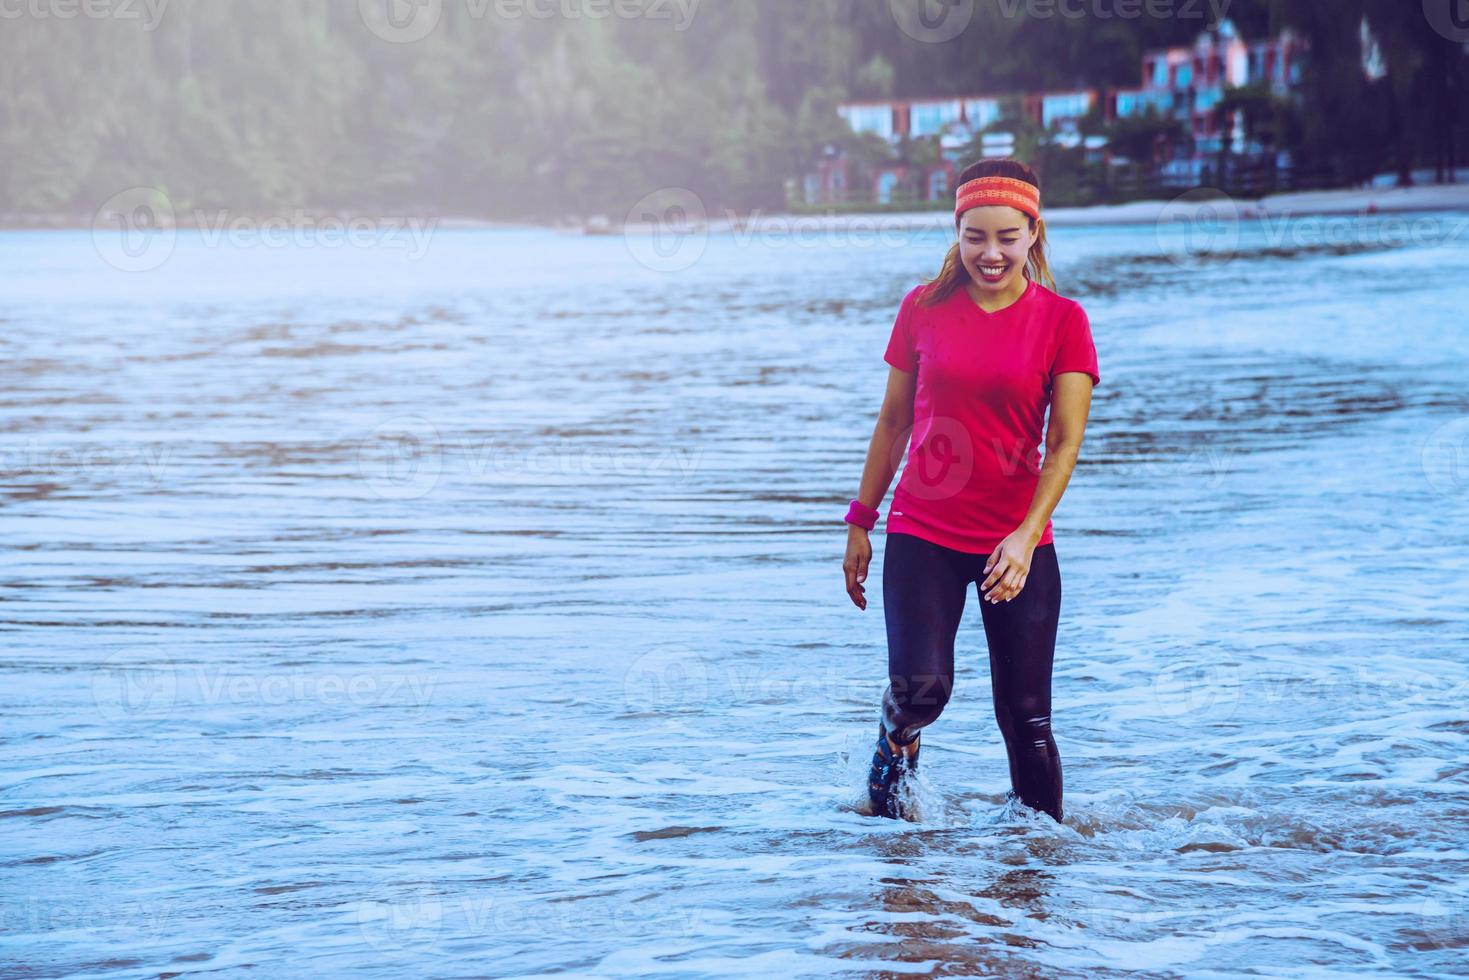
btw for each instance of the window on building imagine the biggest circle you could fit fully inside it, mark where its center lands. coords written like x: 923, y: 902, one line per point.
x: 930, y: 118
x: 885, y: 184
x: 981, y: 112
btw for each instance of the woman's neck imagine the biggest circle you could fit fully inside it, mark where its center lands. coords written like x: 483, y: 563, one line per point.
x: 991, y: 302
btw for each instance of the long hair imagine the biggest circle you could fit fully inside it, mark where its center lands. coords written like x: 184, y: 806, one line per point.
x: 953, y: 275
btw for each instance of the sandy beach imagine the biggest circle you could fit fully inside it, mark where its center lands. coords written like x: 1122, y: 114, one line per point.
x: 1438, y: 197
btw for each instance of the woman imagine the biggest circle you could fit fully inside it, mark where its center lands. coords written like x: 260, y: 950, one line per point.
x: 976, y: 356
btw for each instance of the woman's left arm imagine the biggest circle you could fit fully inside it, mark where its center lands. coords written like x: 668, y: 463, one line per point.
x: 1071, y: 403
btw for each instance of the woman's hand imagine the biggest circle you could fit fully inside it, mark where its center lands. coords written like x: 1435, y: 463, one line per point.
x: 1008, y: 566
x: 859, y: 554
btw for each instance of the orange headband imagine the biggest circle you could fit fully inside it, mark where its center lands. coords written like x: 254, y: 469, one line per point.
x: 1018, y: 194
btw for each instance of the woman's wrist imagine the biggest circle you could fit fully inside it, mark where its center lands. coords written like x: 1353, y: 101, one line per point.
x: 860, y: 515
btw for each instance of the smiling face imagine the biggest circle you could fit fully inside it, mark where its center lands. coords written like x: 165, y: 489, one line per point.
x: 994, y: 242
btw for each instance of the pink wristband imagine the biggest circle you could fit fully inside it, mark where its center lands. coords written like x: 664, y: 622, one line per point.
x: 861, y: 515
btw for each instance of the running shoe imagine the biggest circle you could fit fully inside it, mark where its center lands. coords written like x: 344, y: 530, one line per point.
x: 888, y: 768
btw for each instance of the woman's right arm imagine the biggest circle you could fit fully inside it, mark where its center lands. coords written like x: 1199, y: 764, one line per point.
x: 884, y: 452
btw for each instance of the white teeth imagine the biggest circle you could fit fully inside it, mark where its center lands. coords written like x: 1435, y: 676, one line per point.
x: 993, y: 270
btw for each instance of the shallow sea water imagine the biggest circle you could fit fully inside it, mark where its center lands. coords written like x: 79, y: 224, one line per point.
x: 481, y: 614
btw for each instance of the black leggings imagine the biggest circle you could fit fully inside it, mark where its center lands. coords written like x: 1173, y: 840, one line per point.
x: 923, y: 591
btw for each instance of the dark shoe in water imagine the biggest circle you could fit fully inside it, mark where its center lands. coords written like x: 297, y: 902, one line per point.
x: 888, y: 767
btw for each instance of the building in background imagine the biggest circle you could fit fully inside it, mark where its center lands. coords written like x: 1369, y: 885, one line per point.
x: 1185, y: 84
x: 1188, y: 85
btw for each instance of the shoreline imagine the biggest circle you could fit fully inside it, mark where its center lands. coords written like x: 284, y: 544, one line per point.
x: 1344, y: 201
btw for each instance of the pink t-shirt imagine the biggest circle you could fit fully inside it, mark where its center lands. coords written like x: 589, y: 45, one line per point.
x: 984, y: 384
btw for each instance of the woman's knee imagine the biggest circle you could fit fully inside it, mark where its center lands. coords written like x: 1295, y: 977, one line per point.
x: 1025, y: 718
x: 920, y: 696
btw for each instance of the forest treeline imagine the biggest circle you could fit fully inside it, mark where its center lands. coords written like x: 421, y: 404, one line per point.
x: 258, y: 104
